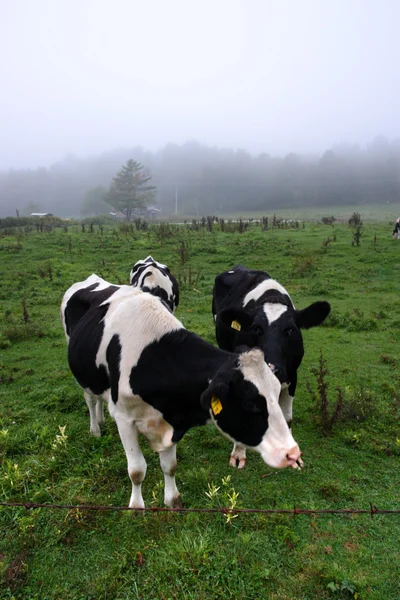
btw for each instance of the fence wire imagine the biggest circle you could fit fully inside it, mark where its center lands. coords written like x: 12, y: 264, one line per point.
x: 295, y: 511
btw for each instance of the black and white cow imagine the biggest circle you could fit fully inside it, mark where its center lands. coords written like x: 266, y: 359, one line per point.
x: 251, y: 308
x: 160, y: 380
x: 396, y: 230
x: 148, y: 275
x: 155, y: 278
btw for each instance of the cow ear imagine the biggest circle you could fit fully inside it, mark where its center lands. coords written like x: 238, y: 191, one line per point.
x: 214, y: 397
x: 313, y: 315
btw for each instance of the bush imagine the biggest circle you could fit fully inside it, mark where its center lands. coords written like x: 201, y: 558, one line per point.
x: 326, y: 415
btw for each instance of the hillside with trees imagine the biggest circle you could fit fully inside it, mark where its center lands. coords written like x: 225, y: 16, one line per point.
x: 194, y: 179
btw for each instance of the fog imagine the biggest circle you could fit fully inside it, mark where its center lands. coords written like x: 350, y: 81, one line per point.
x: 87, y: 76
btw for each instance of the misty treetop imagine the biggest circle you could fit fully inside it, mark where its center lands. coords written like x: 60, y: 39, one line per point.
x: 129, y: 189
x: 204, y: 180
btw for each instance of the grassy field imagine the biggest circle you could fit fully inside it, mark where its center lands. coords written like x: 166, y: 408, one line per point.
x: 373, y: 213
x: 82, y: 555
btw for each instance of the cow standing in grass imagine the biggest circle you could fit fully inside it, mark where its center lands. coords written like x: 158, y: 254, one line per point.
x: 161, y: 380
x: 148, y: 275
x: 251, y: 308
x: 396, y: 230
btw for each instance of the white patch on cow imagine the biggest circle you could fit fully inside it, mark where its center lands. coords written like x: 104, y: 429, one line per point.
x: 231, y: 271
x: 135, y: 334
x: 261, y: 288
x: 278, y: 448
x: 274, y: 310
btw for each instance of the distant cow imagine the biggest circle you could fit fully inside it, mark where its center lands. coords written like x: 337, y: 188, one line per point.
x: 251, y: 308
x: 155, y: 278
x: 161, y: 380
x: 396, y: 230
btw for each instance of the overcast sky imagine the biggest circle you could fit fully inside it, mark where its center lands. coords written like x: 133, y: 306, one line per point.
x: 85, y: 76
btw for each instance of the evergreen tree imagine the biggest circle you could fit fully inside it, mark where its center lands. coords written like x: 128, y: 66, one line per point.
x: 129, y: 190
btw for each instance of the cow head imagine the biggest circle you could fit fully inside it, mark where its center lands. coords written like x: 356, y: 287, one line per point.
x: 242, y: 399
x: 274, y: 327
x: 155, y: 278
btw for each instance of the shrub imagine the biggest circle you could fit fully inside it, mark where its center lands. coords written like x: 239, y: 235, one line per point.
x: 326, y: 415
x: 328, y: 220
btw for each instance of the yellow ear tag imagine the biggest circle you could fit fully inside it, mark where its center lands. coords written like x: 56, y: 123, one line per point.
x: 236, y: 325
x: 216, y: 405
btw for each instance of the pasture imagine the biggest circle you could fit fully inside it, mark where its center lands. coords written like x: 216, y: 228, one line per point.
x: 47, y: 455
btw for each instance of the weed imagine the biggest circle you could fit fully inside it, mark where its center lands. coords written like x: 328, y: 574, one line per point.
x: 357, y: 236
x: 326, y: 416
x: 183, y: 252
x: 305, y: 265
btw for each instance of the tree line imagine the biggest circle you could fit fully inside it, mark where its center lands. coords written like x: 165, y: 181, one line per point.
x: 194, y: 179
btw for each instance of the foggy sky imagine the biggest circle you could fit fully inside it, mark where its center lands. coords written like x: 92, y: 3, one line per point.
x: 86, y: 76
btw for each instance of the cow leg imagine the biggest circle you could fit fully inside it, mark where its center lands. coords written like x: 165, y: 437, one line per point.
x: 92, y: 406
x: 286, y: 404
x: 136, y: 463
x: 168, y: 465
x: 238, y: 456
x: 100, y: 411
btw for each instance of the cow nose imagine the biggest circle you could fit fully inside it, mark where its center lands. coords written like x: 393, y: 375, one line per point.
x: 293, y: 455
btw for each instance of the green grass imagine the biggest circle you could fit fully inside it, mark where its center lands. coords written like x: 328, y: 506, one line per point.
x: 52, y: 555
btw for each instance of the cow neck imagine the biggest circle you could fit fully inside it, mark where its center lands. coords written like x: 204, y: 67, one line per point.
x: 181, y: 364
x: 173, y: 373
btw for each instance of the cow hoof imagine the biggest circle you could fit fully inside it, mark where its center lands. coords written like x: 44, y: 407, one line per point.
x: 96, y: 433
x: 175, y: 503
x: 239, y: 463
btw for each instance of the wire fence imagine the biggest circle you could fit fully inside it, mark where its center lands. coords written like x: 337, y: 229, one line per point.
x: 295, y: 511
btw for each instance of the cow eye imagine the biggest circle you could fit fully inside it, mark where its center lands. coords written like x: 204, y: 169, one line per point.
x: 288, y: 332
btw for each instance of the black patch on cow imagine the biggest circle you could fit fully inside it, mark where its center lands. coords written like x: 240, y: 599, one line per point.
x: 113, y: 357
x: 83, y: 346
x: 161, y: 379
x: 81, y: 301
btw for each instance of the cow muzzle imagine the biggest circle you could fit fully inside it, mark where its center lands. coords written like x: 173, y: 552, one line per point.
x: 292, y: 457
x: 279, y: 457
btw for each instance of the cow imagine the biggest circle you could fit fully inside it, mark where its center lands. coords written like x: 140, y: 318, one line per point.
x: 147, y: 274
x: 155, y: 278
x: 160, y: 380
x: 396, y: 230
x: 249, y: 307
